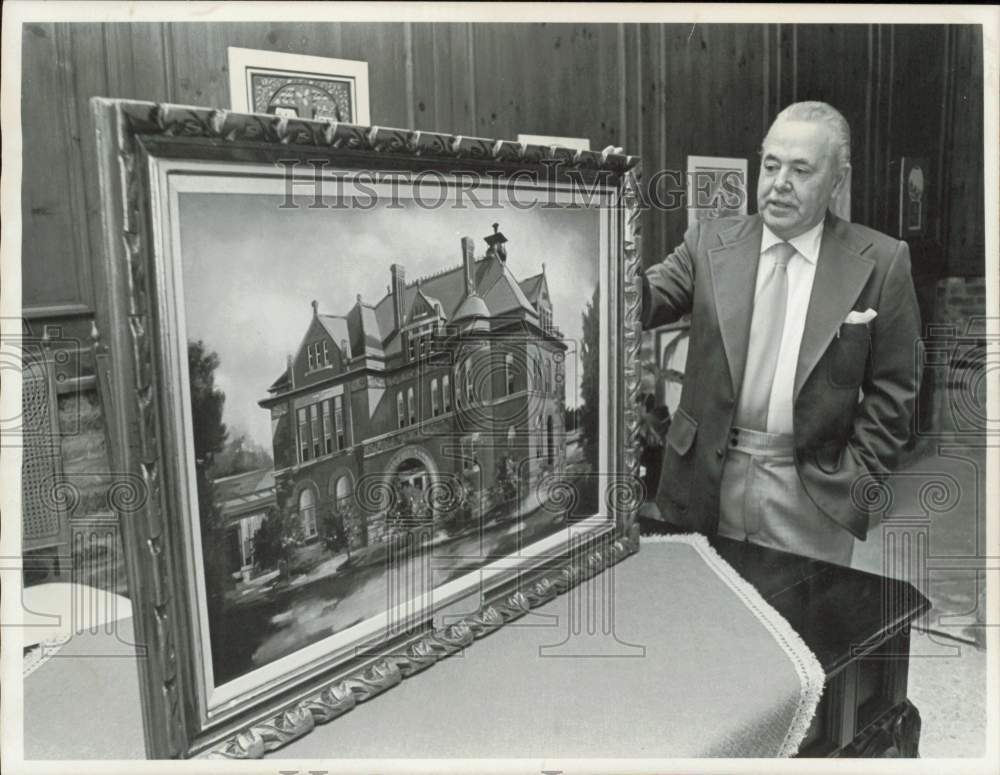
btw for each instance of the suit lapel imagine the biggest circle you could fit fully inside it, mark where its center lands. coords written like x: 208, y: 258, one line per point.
x: 734, y: 275
x: 841, y: 274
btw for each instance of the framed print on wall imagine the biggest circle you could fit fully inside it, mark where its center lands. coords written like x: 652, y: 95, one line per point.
x: 432, y: 344
x: 716, y: 187
x: 298, y: 86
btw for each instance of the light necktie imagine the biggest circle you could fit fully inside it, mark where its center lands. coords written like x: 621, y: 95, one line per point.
x: 766, y: 329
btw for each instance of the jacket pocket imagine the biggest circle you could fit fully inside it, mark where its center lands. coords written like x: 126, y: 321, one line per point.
x: 683, y: 429
x: 849, y: 354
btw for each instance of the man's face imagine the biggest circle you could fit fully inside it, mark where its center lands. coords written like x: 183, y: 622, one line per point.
x: 798, y: 177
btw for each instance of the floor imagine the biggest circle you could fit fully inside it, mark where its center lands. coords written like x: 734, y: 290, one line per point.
x: 932, y: 535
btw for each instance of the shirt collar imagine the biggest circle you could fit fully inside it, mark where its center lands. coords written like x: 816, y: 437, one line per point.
x: 807, y: 244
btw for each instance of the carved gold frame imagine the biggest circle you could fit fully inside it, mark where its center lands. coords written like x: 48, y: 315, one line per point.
x: 132, y: 137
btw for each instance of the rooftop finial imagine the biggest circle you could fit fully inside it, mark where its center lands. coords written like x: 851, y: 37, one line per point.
x: 315, y: 306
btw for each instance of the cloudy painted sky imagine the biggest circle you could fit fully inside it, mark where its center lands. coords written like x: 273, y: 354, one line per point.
x: 250, y: 271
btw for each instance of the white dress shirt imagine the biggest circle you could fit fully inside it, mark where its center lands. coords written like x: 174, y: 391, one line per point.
x: 801, y: 271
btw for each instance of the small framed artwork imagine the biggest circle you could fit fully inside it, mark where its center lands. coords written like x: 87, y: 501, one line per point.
x: 912, y: 181
x: 298, y: 86
x: 716, y: 187
x: 377, y: 412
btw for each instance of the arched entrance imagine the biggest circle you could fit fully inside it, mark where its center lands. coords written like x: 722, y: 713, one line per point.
x: 414, y: 471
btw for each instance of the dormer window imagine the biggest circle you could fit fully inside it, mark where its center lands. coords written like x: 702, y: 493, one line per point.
x: 318, y: 355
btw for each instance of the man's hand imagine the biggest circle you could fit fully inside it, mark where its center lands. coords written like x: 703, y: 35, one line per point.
x: 610, y: 149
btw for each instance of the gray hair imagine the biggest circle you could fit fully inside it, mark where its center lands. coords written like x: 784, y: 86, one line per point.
x: 833, y: 119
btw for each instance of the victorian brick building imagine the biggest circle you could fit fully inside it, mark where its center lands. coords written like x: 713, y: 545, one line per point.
x: 452, y: 379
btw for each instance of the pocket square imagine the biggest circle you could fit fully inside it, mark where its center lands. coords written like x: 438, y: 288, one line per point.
x: 854, y: 317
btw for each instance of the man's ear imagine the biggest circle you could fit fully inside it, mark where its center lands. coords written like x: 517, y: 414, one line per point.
x: 842, y: 174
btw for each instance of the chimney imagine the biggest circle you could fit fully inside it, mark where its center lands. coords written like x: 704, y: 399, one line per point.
x: 469, y: 264
x: 315, y: 306
x: 291, y: 371
x: 398, y: 286
x: 497, y: 244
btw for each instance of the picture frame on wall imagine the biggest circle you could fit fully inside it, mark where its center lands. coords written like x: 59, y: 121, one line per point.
x: 912, y: 179
x: 298, y: 86
x: 440, y: 422
x: 716, y: 187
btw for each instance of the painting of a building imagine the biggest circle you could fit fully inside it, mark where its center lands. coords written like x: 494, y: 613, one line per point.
x: 457, y: 377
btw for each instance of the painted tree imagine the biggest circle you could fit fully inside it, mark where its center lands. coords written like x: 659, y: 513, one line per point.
x: 588, y: 413
x: 589, y: 410
x: 207, y: 403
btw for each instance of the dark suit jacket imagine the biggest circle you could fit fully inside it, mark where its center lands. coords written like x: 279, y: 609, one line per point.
x: 839, y: 439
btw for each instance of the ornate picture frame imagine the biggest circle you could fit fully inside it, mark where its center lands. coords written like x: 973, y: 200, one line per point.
x: 194, y: 202
x: 298, y: 86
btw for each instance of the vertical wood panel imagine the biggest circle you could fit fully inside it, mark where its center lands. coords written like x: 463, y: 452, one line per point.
x: 706, y: 113
x: 90, y: 80
x: 443, y: 80
x: 53, y: 276
x: 833, y: 66
x: 966, y: 241
x: 551, y: 79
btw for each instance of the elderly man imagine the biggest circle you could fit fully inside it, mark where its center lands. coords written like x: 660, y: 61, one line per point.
x: 802, y: 367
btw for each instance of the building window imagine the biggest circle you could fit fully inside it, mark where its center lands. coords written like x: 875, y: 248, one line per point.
x: 508, y: 368
x: 550, y: 440
x: 327, y: 436
x: 411, y: 346
x: 400, y: 412
x: 338, y: 420
x: 435, y: 398
x: 511, y: 438
x: 314, y: 426
x: 545, y: 316
x: 307, y: 513
x: 303, y: 435
x: 411, y: 404
x: 317, y: 355
x: 342, y: 494
x: 468, y: 381
x: 446, y: 391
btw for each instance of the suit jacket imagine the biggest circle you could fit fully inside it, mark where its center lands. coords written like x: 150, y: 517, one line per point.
x: 842, y: 434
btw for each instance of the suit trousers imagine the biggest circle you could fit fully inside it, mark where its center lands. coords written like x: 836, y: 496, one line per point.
x: 763, y: 501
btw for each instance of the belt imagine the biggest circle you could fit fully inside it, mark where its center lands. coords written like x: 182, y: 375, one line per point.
x: 761, y: 443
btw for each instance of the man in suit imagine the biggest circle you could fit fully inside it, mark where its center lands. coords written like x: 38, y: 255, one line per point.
x: 802, y: 367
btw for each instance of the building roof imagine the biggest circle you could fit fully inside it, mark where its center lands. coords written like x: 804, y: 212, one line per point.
x: 531, y: 287
x: 248, y: 491
x: 372, y: 330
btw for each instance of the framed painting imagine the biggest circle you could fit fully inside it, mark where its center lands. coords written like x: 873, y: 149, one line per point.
x: 378, y: 385
x: 298, y: 86
x: 716, y: 187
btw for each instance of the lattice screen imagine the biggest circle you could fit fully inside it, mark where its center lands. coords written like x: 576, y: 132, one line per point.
x: 43, y: 506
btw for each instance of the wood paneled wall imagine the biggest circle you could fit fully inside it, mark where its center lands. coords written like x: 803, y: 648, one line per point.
x: 661, y: 91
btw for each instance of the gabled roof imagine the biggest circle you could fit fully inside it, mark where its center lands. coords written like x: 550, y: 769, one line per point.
x: 372, y: 329
x: 366, y: 335
x: 281, y: 383
x: 494, y: 283
x: 423, y: 305
x: 532, y: 287
x: 336, y: 327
